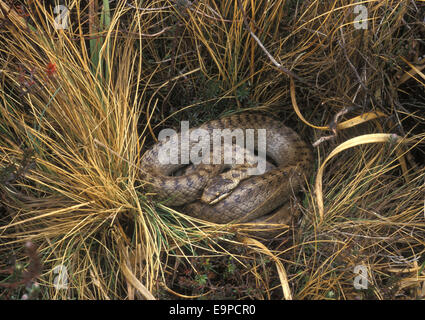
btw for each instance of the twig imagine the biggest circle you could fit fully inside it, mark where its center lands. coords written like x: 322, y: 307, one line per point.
x: 272, y: 59
x: 334, y: 122
x: 344, y: 50
x: 333, y: 125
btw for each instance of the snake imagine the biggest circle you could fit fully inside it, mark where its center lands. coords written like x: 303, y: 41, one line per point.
x: 208, y: 192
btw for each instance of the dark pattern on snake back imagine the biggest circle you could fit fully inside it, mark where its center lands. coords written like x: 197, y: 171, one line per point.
x: 252, y: 198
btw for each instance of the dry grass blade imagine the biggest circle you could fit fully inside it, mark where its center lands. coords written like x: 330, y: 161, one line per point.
x: 132, y: 279
x: 364, y: 139
x: 279, y: 266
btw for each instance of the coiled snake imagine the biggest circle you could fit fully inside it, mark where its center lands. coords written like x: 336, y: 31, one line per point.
x: 207, y: 193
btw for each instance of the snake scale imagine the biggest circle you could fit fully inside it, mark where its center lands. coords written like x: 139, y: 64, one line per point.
x: 249, y: 197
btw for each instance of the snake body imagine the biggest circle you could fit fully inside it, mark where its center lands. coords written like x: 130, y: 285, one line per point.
x: 253, y: 196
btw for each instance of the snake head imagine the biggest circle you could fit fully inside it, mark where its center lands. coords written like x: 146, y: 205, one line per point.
x: 218, y: 188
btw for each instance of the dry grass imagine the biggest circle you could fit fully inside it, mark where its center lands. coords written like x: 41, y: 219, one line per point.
x: 78, y: 107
